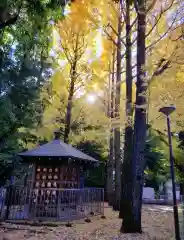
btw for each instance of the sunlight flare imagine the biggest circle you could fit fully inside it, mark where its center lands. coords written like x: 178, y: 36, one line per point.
x: 91, y: 98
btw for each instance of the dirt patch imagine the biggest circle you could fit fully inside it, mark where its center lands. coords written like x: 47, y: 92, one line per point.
x: 157, y: 223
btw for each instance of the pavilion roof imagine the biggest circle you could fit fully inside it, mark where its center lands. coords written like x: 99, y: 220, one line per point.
x: 57, y: 148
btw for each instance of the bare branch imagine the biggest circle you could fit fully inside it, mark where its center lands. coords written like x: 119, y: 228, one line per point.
x: 109, y: 36
x: 162, y: 11
x: 109, y: 25
x: 160, y: 38
x: 170, y: 29
x: 115, y: 32
x: 151, y: 6
x: 133, y: 23
x: 123, y: 55
x: 154, y: 25
x: 162, y: 66
x: 178, y: 38
x: 134, y: 76
x: 67, y: 53
x: 134, y: 66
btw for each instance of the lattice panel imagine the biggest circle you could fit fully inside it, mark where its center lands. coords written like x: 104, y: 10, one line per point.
x: 47, y: 177
x: 57, y: 177
x: 69, y: 177
x: 48, y: 183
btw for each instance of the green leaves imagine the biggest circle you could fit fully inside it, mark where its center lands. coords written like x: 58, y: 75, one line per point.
x: 157, y: 167
x: 24, y: 48
x: 157, y: 159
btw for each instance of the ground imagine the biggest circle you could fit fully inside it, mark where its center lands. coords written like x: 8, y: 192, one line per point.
x: 157, y: 222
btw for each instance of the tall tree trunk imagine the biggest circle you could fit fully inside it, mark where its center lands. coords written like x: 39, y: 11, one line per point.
x: 70, y: 103
x: 181, y: 189
x: 110, y: 169
x: 139, y: 122
x: 116, y: 204
x: 110, y: 164
x: 127, y: 177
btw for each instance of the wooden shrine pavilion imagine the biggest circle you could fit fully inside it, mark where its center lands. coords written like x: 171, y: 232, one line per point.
x: 57, y: 165
x: 54, y: 183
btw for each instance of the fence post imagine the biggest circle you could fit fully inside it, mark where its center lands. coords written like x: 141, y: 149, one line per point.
x: 103, y: 201
x: 3, y: 198
x: 9, y: 195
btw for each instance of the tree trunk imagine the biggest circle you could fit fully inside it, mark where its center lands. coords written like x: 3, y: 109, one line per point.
x: 110, y: 168
x: 70, y: 104
x: 181, y: 189
x: 134, y: 225
x: 127, y: 177
x: 116, y: 204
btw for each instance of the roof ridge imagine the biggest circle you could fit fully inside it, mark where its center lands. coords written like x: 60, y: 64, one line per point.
x: 51, y: 149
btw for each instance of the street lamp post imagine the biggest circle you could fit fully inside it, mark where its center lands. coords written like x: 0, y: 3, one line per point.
x: 167, y: 112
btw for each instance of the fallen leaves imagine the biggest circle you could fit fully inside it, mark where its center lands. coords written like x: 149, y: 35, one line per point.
x: 157, y: 224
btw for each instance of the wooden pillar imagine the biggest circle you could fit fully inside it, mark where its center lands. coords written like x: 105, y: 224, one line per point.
x: 31, y: 186
x: 81, y: 177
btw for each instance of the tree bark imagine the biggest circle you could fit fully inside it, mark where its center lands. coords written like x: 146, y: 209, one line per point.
x: 116, y: 204
x: 70, y: 103
x: 127, y: 177
x: 181, y: 189
x: 139, y: 122
x: 110, y: 164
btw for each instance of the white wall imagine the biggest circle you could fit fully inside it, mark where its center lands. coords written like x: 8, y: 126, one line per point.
x: 168, y: 186
x: 148, y: 193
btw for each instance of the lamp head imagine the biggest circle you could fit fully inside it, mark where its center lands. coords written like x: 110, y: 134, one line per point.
x: 167, y: 110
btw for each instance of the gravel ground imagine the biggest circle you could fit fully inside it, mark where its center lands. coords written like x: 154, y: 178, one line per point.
x: 157, y: 222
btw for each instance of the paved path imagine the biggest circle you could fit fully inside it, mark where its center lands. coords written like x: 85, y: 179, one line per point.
x: 159, y: 208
